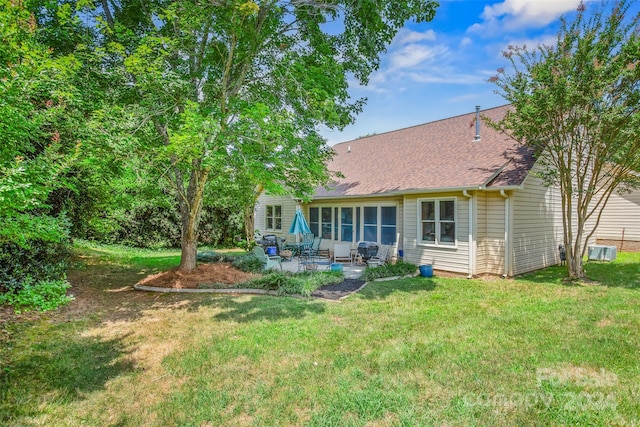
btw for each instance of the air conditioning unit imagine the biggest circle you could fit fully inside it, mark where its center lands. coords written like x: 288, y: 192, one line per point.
x: 601, y: 253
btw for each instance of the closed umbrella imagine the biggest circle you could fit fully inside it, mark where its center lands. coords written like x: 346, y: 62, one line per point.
x: 299, y: 224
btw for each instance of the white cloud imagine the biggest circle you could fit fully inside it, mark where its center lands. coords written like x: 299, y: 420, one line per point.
x: 412, y: 55
x: 437, y: 76
x: 517, y: 14
x: 406, y: 36
x: 466, y: 41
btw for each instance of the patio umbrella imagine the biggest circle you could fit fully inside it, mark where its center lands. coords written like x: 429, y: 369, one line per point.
x: 299, y: 224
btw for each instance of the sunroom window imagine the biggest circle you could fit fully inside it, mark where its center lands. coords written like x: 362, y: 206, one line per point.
x: 437, y: 221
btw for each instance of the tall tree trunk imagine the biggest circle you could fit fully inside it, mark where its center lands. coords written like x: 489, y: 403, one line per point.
x: 249, y: 222
x: 190, y: 212
x: 249, y: 219
x: 189, y: 241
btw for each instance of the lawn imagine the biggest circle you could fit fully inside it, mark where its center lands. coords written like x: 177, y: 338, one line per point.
x: 529, y: 351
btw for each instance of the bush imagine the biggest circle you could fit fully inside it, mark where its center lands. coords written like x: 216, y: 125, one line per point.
x: 210, y: 256
x: 248, y: 263
x: 389, y: 270
x: 40, y: 296
x: 285, y: 283
x: 38, y: 260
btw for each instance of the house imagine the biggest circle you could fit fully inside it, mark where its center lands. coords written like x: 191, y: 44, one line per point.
x: 453, y: 193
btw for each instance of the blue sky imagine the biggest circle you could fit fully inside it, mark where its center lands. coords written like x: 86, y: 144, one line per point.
x: 440, y: 68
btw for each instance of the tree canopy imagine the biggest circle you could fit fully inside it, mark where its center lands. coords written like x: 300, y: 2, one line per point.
x: 236, y: 90
x: 577, y: 104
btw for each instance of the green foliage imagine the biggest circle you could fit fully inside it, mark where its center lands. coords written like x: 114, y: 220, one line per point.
x: 38, y: 261
x: 219, y: 100
x: 576, y: 104
x: 210, y: 257
x: 248, y: 263
x: 400, y: 269
x: 40, y: 295
x: 286, y: 283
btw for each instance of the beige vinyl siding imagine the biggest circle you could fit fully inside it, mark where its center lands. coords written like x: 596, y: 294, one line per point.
x: 621, y: 213
x: 481, y: 232
x: 537, y: 226
x: 288, y: 211
x: 454, y: 259
x: 491, y: 233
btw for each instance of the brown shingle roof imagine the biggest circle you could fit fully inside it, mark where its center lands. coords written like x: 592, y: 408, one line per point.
x: 432, y: 156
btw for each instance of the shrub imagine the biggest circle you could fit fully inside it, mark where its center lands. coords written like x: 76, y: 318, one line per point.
x: 40, y: 296
x: 210, y: 256
x: 248, y: 263
x: 271, y: 280
x: 39, y: 260
x: 288, y: 283
x: 389, y: 270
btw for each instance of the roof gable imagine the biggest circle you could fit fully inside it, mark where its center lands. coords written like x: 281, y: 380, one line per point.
x: 437, y: 155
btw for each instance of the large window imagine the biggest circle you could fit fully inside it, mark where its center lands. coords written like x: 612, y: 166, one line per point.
x: 314, y: 220
x: 437, y: 221
x: 273, y: 217
x: 371, y: 223
x: 387, y: 225
x: 326, y: 223
x: 355, y: 223
x: 346, y: 218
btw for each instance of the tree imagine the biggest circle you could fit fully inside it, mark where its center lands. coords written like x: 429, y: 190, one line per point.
x: 237, y: 88
x: 577, y: 105
x: 36, y: 97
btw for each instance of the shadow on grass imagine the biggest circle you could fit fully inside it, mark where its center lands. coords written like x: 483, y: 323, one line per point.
x: 267, y: 308
x: 380, y: 290
x: 59, y: 364
x: 613, y: 274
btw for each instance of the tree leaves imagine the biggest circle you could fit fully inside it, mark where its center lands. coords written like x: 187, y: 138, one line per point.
x: 576, y: 104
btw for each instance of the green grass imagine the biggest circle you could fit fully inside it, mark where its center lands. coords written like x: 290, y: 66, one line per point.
x: 531, y: 351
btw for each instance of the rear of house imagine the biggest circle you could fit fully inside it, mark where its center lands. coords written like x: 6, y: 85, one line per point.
x: 450, y: 193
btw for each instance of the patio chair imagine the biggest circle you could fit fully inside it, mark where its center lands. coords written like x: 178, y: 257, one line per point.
x: 269, y: 261
x: 380, y: 258
x: 342, y: 252
x: 315, y: 246
x: 307, y: 243
x: 285, y: 253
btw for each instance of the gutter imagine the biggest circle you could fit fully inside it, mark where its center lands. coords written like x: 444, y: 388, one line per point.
x: 471, y: 239
x: 507, y: 234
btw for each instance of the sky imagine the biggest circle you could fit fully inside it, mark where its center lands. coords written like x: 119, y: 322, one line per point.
x: 441, y: 68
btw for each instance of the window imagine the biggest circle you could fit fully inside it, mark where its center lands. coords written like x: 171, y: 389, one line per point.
x: 274, y: 217
x: 388, y: 225
x: 371, y: 223
x: 346, y: 216
x: 354, y: 223
x: 326, y: 223
x: 314, y: 220
x: 437, y: 221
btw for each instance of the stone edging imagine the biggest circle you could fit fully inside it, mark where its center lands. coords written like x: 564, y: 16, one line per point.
x: 407, y: 276
x: 250, y: 291
x: 139, y: 287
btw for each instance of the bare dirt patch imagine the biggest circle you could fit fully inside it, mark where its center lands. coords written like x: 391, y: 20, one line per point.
x: 204, y: 274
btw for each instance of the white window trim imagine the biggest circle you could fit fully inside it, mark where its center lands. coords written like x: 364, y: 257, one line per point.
x: 436, y: 201
x: 355, y: 229
x: 266, y: 217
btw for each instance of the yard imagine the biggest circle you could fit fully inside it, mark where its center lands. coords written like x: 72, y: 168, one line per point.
x: 450, y: 351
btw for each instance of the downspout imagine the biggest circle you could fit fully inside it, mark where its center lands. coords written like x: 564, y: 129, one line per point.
x: 507, y: 233
x: 471, y: 240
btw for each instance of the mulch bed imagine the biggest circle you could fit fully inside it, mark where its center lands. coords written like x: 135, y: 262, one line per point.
x: 340, y: 290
